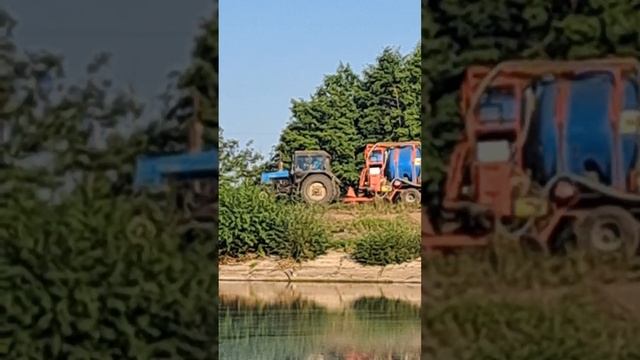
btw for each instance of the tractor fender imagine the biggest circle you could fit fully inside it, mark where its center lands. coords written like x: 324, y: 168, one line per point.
x: 329, y: 175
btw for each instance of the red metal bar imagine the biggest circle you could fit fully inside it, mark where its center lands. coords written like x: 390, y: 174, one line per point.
x: 561, y: 112
x: 455, y: 171
x: 448, y: 241
x: 615, y: 111
x: 359, y: 199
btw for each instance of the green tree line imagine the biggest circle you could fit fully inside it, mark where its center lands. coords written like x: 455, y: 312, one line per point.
x: 349, y: 110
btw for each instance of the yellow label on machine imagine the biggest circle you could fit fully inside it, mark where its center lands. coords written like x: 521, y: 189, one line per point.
x: 385, y: 188
x: 530, y: 207
x: 630, y: 122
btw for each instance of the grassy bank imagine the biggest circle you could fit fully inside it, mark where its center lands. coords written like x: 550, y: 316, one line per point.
x: 253, y: 223
x: 506, y: 303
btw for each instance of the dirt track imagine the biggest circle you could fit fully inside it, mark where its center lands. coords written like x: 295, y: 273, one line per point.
x: 335, y: 266
x: 345, y: 215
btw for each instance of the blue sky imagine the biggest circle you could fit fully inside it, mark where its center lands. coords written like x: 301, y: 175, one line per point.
x: 270, y: 51
x: 274, y: 51
x: 147, y: 38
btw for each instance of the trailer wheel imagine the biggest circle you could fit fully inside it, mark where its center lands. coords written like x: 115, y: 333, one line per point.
x: 317, y: 189
x: 608, y: 230
x: 410, y: 196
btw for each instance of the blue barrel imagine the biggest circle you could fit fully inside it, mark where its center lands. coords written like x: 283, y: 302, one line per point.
x: 588, y: 136
x: 545, y: 133
x: 588, y: 140
x: 628, y: 134
x: 404, y: 167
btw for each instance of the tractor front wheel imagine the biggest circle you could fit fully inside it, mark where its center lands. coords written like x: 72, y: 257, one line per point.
x: 317, y: 189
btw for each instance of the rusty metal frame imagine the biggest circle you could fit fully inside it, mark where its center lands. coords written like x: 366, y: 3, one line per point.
x: 518, y: 74
x: 364, y: 173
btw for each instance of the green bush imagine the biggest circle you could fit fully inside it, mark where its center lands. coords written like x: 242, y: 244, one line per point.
x: 252, y: 220
x: 394, y: 242
x: 103, y: 277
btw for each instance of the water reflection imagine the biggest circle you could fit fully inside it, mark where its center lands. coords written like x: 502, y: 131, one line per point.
x: 319, y: 321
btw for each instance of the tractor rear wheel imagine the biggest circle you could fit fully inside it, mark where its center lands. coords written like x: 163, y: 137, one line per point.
x: 410, y: 196
x: 317, y: 189
x: 608, y: 230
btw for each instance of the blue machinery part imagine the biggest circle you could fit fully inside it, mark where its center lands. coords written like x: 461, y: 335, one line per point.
x: 267, y: 177
x: 153, y: 171
x: 587, y: 138
x: 406, y: 166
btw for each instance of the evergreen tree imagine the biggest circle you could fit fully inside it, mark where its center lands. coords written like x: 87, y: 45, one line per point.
x: 327, y: 122
x: 390, y: 99
x: 349, y: 111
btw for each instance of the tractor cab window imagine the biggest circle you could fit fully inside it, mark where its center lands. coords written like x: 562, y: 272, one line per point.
x: 376, y: 157
x: 310, y: 162
x: 497, y: 105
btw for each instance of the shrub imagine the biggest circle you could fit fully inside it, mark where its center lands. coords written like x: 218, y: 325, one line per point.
x: 252, y: 220
x: 103, y: 277
x: 306, y: 236
x: 394, y: 242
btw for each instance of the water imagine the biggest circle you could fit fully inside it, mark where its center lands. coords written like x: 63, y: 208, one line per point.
x: 319, y: 321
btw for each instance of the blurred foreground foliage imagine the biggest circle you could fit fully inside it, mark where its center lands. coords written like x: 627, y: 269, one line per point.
x: 88, y: 269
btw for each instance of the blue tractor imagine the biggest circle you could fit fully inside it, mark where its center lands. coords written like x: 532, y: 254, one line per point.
x: 196, y: 171
x: 310, y: 179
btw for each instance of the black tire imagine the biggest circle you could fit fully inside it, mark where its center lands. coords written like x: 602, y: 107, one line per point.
x: 410, y: 196
x: 608, y: 230
x: 336, y: 191
x: 317, y: 189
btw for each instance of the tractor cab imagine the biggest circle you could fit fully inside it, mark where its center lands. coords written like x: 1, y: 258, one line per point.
x: 311, y: 160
